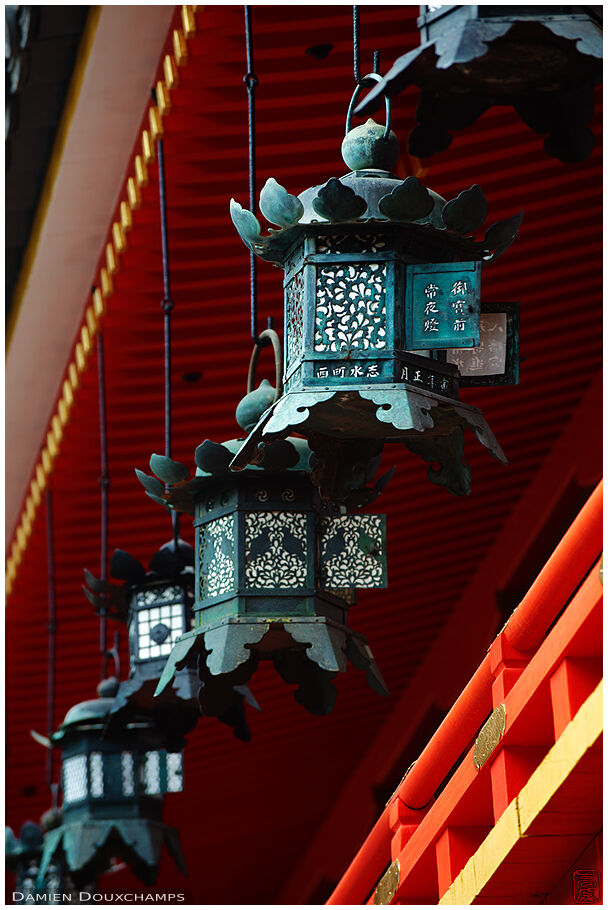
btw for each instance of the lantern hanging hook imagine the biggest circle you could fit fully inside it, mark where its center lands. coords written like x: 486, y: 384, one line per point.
x: 268, y: 335
x: 113, y: 653
x: 374, y: 77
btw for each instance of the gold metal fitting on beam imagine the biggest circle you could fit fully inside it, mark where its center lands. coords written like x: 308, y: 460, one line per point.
x: 388, y: 884
x: 163, y: 98
x: 79, y: 357
x: 489, y: 736
x: 35, y: 491
x: 110, y: 259
x: 188, y: 21
x: 141, y: 172
x: 180, y: 48
x: 57, y: 428
x: 133, y: 193
x: 118, y: 237
x: 68, y: 393
x: 126, y: 221
x: 16, y: 553
x: 46, y: 466
x: 98, y: 303
x: 156, y: 123
x: 62, y: 412
x: 170, y: 71
x: 147, y: 147
x: 107, y: 288
x: 85, y: 339
x: 91, y: 321
x: 51, y: 445
x: 21, y: 538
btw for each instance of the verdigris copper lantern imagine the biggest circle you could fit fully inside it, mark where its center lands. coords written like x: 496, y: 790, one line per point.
x: 542, y: 60
x: 156, y: 605
x: 276, y: 571
x: 113, y: 792
x: 382, y: 294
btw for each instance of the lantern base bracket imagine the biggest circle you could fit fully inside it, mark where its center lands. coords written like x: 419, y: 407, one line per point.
x: 308, y: 651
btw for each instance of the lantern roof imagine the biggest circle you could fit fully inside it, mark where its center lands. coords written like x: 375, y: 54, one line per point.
x: 91, y: 713
x: 173, y: 487
x: 369, y: 193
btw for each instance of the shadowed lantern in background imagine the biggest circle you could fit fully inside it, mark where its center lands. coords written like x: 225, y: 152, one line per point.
x: 542, y: 60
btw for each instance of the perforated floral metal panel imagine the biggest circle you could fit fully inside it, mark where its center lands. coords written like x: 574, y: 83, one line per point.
x: 294, y: 327
x: 75, y: 778
x: 352, y: 243
x: 353, y: 551
x: 275, y: 550
x: 350, y: 308
x: 216, y: 557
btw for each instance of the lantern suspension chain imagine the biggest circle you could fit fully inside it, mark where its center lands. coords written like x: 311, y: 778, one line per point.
x: 166, y: 304
x: 356, y: 66
x: 356, y: 51
x: 52, y: 629
x: 104, y: 483
x: 251, y: 81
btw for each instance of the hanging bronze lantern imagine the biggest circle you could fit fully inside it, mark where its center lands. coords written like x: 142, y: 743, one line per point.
x: 382, y: 305
x: 156, y: 605
x: 275, y: 568
x: 542, y: 60
x: 113, y: 792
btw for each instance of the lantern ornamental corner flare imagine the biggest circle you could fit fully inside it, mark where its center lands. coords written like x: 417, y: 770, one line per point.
x: 383, y: 315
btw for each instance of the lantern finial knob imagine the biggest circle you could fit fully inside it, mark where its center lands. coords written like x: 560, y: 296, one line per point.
x: 365, y: 148
x: 107, y: 688
x: 252, y: 406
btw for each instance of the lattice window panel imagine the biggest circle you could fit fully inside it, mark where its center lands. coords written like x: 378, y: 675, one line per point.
x: 171, y: 616
x: 175, y: 779
x: 127, y: 766
x: 75, y: 778
x: 152, y: 773
x: 96, y: 773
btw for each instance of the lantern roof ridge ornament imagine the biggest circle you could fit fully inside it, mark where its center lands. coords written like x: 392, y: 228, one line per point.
x: 288, y: 453
x: 370, y: 192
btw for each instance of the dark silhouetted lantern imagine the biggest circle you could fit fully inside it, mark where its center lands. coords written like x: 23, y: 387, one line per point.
x: 23, y: 855
x: 275, y: 569
x: 113, y: 784
x: 542, y: 60
x: 382, y: 305
x: 157, y: 607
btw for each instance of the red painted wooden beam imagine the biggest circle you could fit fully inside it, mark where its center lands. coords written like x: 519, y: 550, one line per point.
x: 569, y: 562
